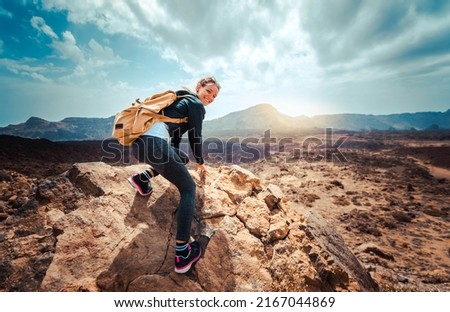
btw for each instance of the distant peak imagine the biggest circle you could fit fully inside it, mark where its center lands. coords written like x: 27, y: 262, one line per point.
x: 33, y: 118
x: 35, y: 121
x: 263, y: 107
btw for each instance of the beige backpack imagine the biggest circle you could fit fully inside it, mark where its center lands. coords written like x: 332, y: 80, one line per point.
x: 136, y: 119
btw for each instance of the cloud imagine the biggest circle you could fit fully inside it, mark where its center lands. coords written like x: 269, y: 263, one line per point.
x: 135, y: 18
x: 90, y: 61
x: 96, y: 59
x: 385, y: 38
x: 258, y: 43
x: 26, y: 67
x: 287, y: 52
x: 266, y: 40
x: 39, y: 24
x: 68, y: 48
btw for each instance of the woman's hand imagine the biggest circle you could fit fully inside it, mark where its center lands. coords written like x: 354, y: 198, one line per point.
x: 200, y: 168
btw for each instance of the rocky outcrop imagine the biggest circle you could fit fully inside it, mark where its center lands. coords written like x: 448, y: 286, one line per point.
x: 88, y: 230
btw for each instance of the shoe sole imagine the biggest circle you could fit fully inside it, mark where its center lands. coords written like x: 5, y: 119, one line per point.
x: 138, y: 188
x: 188, y: 266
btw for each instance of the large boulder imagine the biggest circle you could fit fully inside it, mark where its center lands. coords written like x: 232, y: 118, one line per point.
x: 106, y: 237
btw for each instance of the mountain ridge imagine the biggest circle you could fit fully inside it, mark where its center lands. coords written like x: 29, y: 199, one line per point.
x: 344, y: 121
x: 255, y: 119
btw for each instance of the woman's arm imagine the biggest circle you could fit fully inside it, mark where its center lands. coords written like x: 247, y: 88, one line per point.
x: 195, y: 123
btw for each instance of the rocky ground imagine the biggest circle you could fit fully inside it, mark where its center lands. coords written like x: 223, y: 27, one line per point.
x: 388, y: 199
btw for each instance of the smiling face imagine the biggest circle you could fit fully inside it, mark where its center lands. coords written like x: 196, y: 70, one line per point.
x: 207, y: 92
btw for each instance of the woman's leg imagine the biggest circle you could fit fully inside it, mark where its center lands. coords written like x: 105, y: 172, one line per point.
x: 166, y: 160
x: 151, y: 172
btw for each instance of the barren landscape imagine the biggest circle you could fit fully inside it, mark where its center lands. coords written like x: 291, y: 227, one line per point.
x: 390, y: 202
x: 386, y: 194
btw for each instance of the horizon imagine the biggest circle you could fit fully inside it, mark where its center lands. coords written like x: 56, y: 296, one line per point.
x: 90, y: 59
x: 67, y: 117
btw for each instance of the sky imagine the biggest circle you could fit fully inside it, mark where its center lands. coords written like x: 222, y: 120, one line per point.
x: 92, y: 58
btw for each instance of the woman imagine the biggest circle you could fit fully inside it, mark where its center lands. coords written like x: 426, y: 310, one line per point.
x: 159, y: 147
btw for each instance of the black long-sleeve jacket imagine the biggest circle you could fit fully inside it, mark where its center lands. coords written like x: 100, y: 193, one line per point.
x: 192, y: 108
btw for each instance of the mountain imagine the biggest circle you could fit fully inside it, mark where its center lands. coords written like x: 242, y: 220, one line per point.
x: 68, y: 129
x: 405, y: 121
x: 262, y: 117
x: 254, y: 120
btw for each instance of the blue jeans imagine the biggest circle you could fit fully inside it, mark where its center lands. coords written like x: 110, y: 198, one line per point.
x: 171, y: 163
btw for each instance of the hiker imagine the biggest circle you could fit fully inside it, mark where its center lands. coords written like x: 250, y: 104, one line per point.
x: 159, y: 147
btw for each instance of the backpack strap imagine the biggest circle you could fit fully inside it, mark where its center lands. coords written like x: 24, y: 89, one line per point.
x: 163, y: 118
x: 185, y: 96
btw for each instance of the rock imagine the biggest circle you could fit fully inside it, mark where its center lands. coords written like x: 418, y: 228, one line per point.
x: 278, y: 230
x: 237, y: 182
x: 272, y: 196
x: 112, y: 239
x: 374, y: 249
x: 255, y: 216
x: 401, y: 216
x: 332, y: 243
